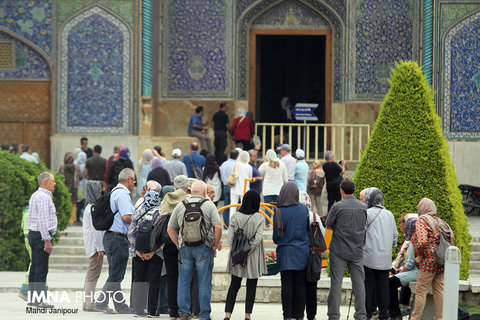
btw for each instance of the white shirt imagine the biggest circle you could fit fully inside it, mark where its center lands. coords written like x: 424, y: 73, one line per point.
x: 291, y: 164
x: 92, y: 238
x: 273, y: 178
x: 29, y: 157
x: 380, y: 238
x: 244, y: 171
x: 217, y: 186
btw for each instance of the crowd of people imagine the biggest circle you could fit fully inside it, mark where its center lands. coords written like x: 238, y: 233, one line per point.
x: 176, y: 277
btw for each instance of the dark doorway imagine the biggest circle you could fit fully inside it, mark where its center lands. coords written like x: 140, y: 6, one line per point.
x: 289, y: 66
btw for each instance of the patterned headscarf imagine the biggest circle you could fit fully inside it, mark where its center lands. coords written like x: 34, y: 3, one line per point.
x: 426, y: 206
x: 93, y: 191
x: 151, y: 200
x: 374, y: 198
x: 410, y: 226
x: 304, y: 198
x: 151, y: 185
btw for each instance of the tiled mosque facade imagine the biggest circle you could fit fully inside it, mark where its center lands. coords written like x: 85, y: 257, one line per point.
x: 131, y: 71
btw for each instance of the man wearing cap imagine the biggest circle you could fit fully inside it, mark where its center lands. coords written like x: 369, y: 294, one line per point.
x: 175, y: 167
x: 288, y: 160
x: 301, y: 170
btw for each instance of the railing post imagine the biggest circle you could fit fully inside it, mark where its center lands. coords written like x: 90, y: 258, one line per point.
x: 264, y: 139
x: 316, y: 143
x: 360, y: 138
x: 272, y: 137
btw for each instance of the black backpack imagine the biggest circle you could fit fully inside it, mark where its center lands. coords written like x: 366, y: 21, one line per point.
x: 240, y: 246
x: 193, y: 226
x: 102, y: 215
x: 144, y: 232
x: 160, y: 234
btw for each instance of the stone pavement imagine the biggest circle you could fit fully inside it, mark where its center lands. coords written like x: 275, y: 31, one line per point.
x: 12, y: 308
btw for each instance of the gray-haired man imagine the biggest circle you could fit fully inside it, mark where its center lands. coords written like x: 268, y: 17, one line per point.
x: 116, y: 243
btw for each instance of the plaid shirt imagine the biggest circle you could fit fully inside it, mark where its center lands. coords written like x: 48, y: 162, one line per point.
x: 425, y: 243
x: 43, y: 215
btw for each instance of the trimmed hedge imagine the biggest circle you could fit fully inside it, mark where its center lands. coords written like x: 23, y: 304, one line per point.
x: 407, y: 156
x: 18, y: 182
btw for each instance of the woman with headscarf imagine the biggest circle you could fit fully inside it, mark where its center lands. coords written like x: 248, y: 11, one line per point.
x: 170, y: 251
x: 146, y: 266
x: 81, y: 161
x: 406, y: 273
x: 144, y: 168
x: 425, y: 242
x: 251, y: 221
x: 93, y: 241
x: 149, y: 185
x: 381, y: 236
x: 311, y: 287
x: 72, y: 175
x: 290, y: 233
x: 117, y: 166
x: 159, y: 173
x: 211, y: 176
x: 274, y: 173
x: 243, y: 170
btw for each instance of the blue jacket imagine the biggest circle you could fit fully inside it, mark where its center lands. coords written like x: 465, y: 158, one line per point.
x: 197, y: 158
x: 292, y: 248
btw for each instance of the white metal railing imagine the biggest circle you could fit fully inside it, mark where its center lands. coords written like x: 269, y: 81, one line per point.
x: 345, y: 140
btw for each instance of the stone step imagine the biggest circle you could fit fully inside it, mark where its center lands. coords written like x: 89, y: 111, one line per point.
x: 475, y: 246
x: 475, y: 256
x: 64, y: 267
x: 474, y: 265
x: 475, y: 239
x: 68, y: 250
x: 70, y: 241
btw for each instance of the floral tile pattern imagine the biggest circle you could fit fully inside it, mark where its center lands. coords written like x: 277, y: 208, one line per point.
x: 197, y: 55
x: 32, y: 20
x: 29, y: 64
x: 461, y: 111
x: 95, y: 54
x: 384, y: 35
x: 291, y: 14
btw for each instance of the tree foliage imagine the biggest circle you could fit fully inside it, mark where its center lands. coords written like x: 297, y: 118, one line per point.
x: 18, y: 182
x: 407, y: 156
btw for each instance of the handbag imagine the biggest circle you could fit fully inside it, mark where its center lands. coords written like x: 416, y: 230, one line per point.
x: 232, y: 178
x: 317, y: 246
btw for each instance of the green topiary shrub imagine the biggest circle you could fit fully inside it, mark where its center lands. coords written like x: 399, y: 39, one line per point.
x: 18, y: 182
x: 407, y: 156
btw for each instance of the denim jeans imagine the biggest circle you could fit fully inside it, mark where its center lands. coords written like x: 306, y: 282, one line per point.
x: 270, y: 199
x: 116, y: 249
x: 200, y: 257
x: 226, y: 200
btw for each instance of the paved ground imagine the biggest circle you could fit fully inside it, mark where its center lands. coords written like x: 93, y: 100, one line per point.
x: 13, y: 308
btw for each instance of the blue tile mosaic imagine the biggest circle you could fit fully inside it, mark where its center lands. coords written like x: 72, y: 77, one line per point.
x: 198, y: 59
x: 384, y: 35
x: 32, y: 20
x: 29, y: 64
x: 291, y: 14
x: 461, y: 112
x: 337, y: 5
x: 95, y: 55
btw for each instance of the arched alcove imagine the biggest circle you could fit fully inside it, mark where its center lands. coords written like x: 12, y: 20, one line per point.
x: 95, y: 73
x: 461, y: 79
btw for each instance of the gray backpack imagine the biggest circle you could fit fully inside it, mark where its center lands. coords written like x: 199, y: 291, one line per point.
x: 446, y: 237
x: 193, y: 227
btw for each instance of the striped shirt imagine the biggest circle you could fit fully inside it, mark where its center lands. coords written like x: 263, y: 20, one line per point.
x: 43, y: 215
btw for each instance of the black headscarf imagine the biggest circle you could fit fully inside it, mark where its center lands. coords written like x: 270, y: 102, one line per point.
x: 374, y: 198
x: 211, y: 167
x: 288, y: 195
x: 250, y: 202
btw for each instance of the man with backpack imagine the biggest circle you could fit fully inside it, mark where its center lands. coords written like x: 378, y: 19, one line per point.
x: 430, y: 241
x: 194, y: 162
x: 199, y: 231
x: 116, y: 243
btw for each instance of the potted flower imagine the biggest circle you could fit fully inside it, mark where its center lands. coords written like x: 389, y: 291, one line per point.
x: 272, y: 266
